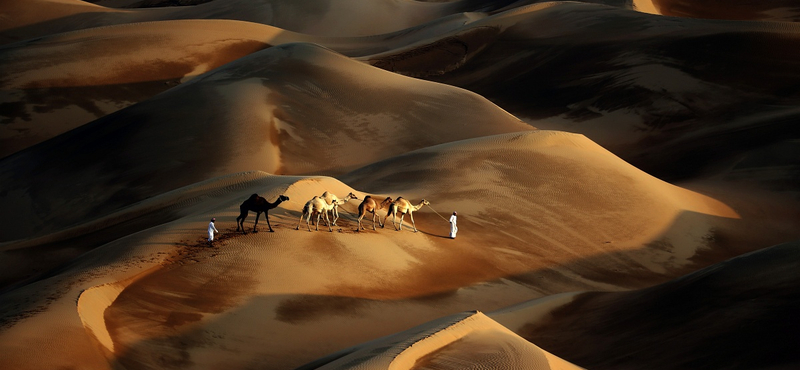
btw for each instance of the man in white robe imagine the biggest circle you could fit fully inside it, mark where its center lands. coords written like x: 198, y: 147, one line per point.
x: 211, y: 230
x: 453, y: 226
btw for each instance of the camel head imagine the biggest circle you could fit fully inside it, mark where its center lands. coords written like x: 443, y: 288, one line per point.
x: 388, y: 200
x: 283, y: 198
x: 425, y: 202
x: 351, y: 196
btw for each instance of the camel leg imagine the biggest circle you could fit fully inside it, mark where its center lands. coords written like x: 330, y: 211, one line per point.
x: 402, y: 216
x: 301, y: 220
x: 373, y: 221
x: 308, y: 221
x: 384, y: 220
x: 411, y: 215
x: 266, y: 215
x: 240, y: 222
x: 318, y: 216
x: 326, y: 221
x: 258, y: 214
x: 335, y: 215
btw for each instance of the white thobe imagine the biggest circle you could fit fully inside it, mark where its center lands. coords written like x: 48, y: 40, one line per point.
x: 211, y: 230
x: 453, y: 227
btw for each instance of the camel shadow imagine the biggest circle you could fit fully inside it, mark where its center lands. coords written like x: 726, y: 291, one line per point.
x: 434, y: 235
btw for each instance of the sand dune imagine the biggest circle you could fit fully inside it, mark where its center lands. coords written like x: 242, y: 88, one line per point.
x: 126, y: 129
x: 771, y: 10
x: 630, y: 81
x: 464, y: 341
x: 339, y: 18
x: 304, y: 295
x: 738, y: 314
x: 287, y: 110
x: 54, y: 84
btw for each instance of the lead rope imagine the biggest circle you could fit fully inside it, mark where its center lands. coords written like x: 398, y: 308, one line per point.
x: 437, y: 213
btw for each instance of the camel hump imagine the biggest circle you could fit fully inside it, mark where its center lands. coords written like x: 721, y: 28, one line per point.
x: 368, y: 197
x: 253, y: 197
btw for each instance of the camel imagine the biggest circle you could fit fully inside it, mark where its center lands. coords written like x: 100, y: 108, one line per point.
x: 319, y: 207
x: 257, y: 204
x: 370, y: 205
x: 403, y: 206
x: 330, y: 198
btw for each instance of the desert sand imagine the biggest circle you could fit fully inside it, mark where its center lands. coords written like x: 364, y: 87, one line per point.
x: 625, y: 175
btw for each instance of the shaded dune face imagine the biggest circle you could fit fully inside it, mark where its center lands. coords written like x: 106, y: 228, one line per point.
x: 738, y: 314
x: 53, y: 85
x: 772, y: 10
x: 272, y: 111
x: 632, y: 82
x: 340, y: 18
x: 453, y: 342
x: 123, y: 131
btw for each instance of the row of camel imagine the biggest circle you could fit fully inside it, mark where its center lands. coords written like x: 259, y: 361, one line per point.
x: 329, y: 203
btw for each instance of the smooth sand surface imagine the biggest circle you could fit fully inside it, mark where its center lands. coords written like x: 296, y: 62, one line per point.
x: 738, y: 314
x: 620, y: 176
x: 468, y: 340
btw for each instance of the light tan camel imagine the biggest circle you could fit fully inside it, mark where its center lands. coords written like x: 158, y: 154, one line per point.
x: 403, y: 206
x: 370, y: 205
x: 319, y: 207
x: 330, y: 199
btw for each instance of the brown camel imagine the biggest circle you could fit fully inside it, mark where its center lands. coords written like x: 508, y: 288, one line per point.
x: 330, y: 199
x: 319, y: 207
x: 370, y: 205
x: 403, y: 206
x: 257, y: 204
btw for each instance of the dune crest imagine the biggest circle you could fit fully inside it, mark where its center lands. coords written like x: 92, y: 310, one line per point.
x: 691, y: 315
x: 665, y: 142
x: 445, y: 344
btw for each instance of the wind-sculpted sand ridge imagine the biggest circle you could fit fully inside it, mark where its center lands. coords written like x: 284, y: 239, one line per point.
x: 19, y: 265
x: 95, y: 278
x: 329, y: 291
x: 693, y: 316
x: 468, y: 339
x: 55, y: 83
x: 129, y: 129
x: 340, y: 18
x: 523, y: 182
x: 768, y: 10
x: 629, y: 81
x: 255, y: 112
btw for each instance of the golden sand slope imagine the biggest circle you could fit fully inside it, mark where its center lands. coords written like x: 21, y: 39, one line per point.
x: 36, y: 18
x: 514, y: 189
x: 54, y: 84
x: 738, y: 314
x: 286, y: 298
x: 468, y: 340
x: 291, y: 109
